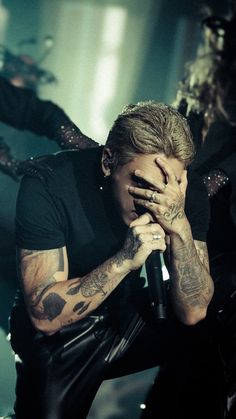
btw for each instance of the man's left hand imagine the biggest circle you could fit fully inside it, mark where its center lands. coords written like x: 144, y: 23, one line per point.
x: 165, y: 201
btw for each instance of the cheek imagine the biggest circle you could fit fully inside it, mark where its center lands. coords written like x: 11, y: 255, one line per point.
x: 123, y: 198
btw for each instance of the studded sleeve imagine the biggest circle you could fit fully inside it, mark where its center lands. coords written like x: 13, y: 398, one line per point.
x: 214, y: 181
x: 22, y: 109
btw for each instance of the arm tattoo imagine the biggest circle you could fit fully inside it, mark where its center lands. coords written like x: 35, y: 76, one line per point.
x: 94, y: 283
x: 53, y: 305
x: 74, y: 289
x: 90, y: 285
x: 49, y: 261
x: 202, y: 252
x: 191, y: 281
x: 35, y: 266
x: 38, y: 292
x: 81, y: 307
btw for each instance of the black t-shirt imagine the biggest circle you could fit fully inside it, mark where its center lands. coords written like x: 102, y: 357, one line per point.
x: 64, y: 206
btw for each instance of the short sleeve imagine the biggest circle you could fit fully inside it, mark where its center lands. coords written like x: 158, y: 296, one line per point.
x: 38, y: 222
x: 197, y: 206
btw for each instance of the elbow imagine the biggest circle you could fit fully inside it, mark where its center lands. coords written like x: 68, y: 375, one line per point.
x: 192, y: 317
x: 44, y: 327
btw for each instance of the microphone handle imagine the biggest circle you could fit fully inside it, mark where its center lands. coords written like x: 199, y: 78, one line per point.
x: 156, y: 284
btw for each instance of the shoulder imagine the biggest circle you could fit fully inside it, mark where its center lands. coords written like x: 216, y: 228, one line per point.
x: 62, y: 170
x: 57, y: 164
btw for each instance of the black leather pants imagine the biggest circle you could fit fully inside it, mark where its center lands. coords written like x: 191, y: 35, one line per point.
x: 60, y: 375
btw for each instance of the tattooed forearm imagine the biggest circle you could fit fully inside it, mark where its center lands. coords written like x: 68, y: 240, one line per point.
x: 129, y: 250
x: 52, y: 300
x: 186, y: 252
x: 90, y: 285
x: 75, y: 289
x: 193, y: 285
x: 94, y: 283
x: 81, y: 307
x: 202, y: 254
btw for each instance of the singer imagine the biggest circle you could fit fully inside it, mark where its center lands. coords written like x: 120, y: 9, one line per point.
x: 85, y: 225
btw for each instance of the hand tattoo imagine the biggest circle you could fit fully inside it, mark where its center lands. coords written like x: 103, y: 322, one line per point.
x: 175, y: 211
x: 129, y: 250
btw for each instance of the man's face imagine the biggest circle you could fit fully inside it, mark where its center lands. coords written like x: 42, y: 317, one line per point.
x: 123, y: 177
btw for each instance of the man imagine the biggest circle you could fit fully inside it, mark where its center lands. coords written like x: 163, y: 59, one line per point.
x: 85, y: 226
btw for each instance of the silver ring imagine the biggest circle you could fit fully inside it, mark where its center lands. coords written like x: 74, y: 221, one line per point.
x: 156, y: 236
x: 153, y: 197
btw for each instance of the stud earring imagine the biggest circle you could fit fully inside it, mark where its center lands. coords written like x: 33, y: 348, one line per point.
x: 105, y: 176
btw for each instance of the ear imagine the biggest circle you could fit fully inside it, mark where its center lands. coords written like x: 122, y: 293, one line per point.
x: 106, y: 161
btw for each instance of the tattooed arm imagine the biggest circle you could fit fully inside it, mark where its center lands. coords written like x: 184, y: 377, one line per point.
x: 191, y: 286
x: 163, y: 196
x: 53, y: 302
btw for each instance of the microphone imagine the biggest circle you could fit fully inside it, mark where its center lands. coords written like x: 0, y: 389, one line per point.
x: 156, y: 285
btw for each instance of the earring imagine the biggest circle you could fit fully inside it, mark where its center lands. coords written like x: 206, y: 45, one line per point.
x: 105, y: 176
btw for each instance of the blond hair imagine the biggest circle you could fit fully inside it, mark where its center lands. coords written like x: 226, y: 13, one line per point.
x: 147, y: 128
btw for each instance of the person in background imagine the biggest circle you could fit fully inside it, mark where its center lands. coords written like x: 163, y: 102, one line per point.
x: 22, y: 109
x: 21, y: 76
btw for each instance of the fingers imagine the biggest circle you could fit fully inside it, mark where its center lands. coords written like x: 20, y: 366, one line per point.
x: 151, y: 236
x: 151, y: 181
x: 145, y: 194
x: 140, y: 241
x: 184, y: 182
x: 165, y: 167
x: 151, y: 241
x: 142, y: 220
